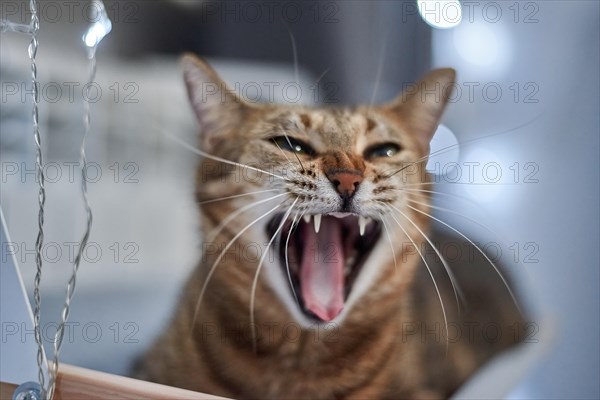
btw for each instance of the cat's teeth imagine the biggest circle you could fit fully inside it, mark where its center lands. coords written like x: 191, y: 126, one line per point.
x: 306, y: 218
x: 362, y: 224
x: 317, y: 222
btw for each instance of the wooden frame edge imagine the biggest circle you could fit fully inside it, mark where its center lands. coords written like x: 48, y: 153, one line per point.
x: 82, y: 383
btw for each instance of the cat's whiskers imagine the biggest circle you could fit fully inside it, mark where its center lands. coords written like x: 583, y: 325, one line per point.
x: 231, y: 217
x: 287, y: 263
x: 432, y: 192
x: 294, y: 54
x: 447, y: 196
x: 437, y: 192
x: 410, y: 164
x: 295, y: 154
x: 378, y: 75
x: 260, y: 264
x: 465, y: 183
x: 453, y: 212
x: 422, y: 183
x: 455, y: 287
x: 219, y: 159
x: 281, y: 150
x: 218, y: 259
x: 456, y: 145
x: 405, y: 186
x: 236, y: 196
x: 480, y: 251
x: 316, y: 84
x: 428, y: 270
x: 387, y: 232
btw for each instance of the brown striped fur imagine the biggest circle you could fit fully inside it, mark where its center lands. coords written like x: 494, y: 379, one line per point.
x: 377, y: 350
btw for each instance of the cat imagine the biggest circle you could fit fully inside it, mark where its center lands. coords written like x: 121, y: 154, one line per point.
x: 313, y: 281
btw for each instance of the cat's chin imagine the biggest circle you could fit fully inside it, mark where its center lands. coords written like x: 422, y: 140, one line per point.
x: 322, y: 256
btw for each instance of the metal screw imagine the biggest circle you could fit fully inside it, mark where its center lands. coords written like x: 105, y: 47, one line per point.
x: 28, y: 391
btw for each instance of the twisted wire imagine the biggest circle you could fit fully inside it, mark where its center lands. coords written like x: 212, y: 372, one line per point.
x: 39, y: 162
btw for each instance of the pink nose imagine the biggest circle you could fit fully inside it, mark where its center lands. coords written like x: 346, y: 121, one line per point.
x: 345, y: 182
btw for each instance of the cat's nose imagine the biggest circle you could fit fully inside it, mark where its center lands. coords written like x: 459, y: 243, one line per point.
x: 345, y: 182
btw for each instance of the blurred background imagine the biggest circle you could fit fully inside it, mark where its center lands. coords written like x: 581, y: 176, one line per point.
x: 525, y: 112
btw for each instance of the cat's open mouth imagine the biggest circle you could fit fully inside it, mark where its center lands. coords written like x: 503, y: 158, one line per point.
x: 323, y: 255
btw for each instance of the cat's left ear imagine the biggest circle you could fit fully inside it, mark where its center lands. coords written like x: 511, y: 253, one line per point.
x: 421, y: 105
x: 218, y: 108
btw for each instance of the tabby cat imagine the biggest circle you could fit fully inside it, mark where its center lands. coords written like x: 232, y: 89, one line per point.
x: 316, y: 276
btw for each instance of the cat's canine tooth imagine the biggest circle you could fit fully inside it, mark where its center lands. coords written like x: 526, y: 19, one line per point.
x: 317, y: 222
x: 306, y: 218
x: 362, y: 224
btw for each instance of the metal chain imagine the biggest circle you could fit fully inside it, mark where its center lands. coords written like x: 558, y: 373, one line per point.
x: 58, y: 338
x: 32, y: 50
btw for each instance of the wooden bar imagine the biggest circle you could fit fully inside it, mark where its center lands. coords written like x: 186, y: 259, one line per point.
x: 81, y: 383
x: 6, y: 390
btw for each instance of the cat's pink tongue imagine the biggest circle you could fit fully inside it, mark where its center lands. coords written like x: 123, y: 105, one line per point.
x: 322, y: 270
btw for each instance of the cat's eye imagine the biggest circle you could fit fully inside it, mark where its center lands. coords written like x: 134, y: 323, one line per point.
x: 382, y: 150
x: 294, y: 145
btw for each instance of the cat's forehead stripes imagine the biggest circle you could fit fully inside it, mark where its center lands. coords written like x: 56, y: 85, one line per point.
x: 333, y: 129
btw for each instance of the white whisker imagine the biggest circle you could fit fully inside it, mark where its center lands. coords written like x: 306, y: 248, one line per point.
x: 214, y: 265
x: 216, y: 158
x: 320, y: 77
x: 455, y: 287
x: 428, y: 270
x: 391, y: 244
x: 295, y: 55
x: 213, y: 234
x: 236, y: 196
x: 287, y: 264
x: 481, y: 251
x: 295, y: 154
x: 454, y: 212
x: 260, y: 263
x: 379, y: 71
x: 425, y: 183
x: 282, y: 152
x: 453, y: 146
x: 441, y: 194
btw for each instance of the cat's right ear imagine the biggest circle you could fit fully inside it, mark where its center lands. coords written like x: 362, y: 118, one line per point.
x: 217, y: 107
x: 420, y: 106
